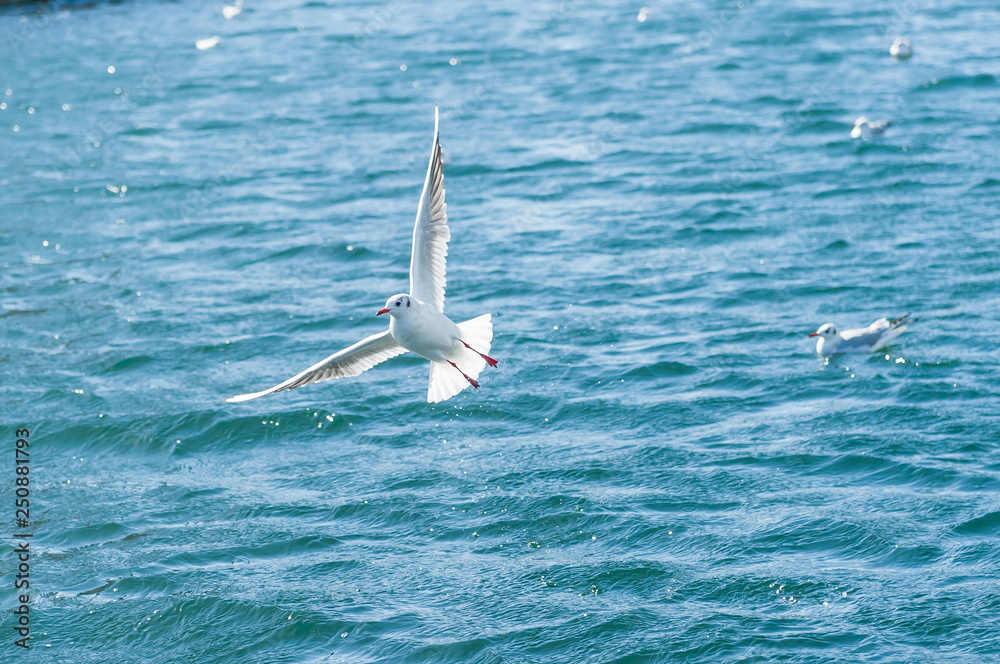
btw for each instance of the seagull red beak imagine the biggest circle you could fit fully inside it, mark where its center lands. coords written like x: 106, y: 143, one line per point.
x: 814, y: 334
x: 382, y: 311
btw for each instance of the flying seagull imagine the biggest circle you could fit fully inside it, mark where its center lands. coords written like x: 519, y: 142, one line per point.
x: 458, y: 353
x: 862, y: 340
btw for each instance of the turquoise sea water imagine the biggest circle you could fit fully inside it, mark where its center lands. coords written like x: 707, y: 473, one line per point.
x: 657, y: 213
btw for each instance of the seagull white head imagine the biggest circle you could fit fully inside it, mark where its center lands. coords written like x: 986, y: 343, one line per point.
x: 828, y: 336
x: 397, y: 306
x: 827, y: 331
x: 860, y: 127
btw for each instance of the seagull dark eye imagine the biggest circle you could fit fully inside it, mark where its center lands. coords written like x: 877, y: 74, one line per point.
x: 398, y: 303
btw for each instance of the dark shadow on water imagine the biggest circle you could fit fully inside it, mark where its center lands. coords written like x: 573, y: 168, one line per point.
x: 43, y: 7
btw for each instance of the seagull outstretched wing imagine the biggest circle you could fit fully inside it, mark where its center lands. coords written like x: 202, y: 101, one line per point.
x: 352, y: 361
x: 431, y: 233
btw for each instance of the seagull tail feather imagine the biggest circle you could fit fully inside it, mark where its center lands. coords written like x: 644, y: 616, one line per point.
x: 896, y: 328
x: 445, y: 380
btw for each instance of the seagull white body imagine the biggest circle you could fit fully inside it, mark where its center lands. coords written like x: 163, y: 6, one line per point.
x: 901, y: 48
x: 458, y: 352
x: 861, y: 340
x: 233, y: 10
x: 865, y: 128
x: 207, y: 43
x: 424, y: 330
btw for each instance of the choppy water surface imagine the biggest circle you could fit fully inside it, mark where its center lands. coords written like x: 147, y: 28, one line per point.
x: 657, y: 212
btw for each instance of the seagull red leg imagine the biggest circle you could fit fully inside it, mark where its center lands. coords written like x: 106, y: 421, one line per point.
x: 489, y: 360
x: 471, y: 382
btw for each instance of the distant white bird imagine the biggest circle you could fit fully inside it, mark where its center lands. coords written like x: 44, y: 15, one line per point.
x: 862, y: 340
x: 901, y: 48
x: 458, y: 353
x: 207, y: 43
x: 865, y: 128
x: 232, y: 11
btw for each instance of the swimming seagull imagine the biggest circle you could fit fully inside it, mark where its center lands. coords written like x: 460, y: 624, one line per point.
x: 865, y: 128
x: 207, y: 43
x: 901, y: 48
x: 233, y: 10
x: 862, y: 340
x: 458, y: 353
